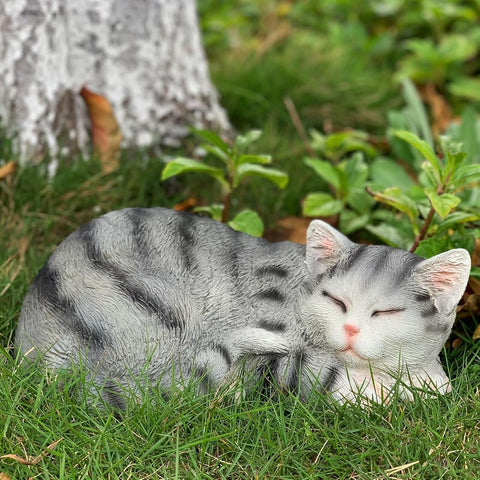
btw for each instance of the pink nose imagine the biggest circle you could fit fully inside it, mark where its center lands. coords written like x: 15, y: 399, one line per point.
x: 351, y: 330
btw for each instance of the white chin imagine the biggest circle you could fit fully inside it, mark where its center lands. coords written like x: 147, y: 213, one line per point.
x: 350, y: 357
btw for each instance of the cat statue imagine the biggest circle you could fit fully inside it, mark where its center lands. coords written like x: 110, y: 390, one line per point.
x: 175, y: 296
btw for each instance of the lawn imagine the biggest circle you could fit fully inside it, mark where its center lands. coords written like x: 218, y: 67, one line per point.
x: 340, y: 65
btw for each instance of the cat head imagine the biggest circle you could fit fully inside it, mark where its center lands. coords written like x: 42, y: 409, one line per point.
x: 380, y: 306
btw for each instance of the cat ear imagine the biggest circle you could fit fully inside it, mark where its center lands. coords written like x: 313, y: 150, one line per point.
x: 445, y: 277
x: 325, y: 247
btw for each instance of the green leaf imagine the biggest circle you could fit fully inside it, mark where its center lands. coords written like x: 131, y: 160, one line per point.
x: 432, y: 246
x: 355, y: 170
x: 325, y: 170
x: 247, y: 221
x: 215, y: 211
x: 185, y: 165
x: 351, y: 221
x: 464, y: 175
x: 359, y: 200
x: 242, y: 142
x: 390, y: 235
x: 467, y: 133
x: 456, y: 218
x: 215, y: 151
x: 396, y: 198
x: 429, y: 176
x: 417, y: 110
x: 443, y: 204
x: 457, y: 48
x: 452, y: 163
x: 213, y: 138
x: 385, y: 173
x: 260, y: 159
x: 422, y: 146
x: 466, y: 87
x: 248, y: 169
x: 321, y: 205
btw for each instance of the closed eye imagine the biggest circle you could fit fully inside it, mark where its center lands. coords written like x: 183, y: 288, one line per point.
x: 335, y: 300
x: 392, y: 311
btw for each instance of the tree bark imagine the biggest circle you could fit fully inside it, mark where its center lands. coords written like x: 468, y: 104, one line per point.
x: 144, y: 56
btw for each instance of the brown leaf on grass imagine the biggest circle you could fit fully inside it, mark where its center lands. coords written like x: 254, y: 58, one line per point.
x: 4, y: 476
x: 293, y: 229
x: 33, y: 460
x: 474, y: 285
x: 106, y: 135
x: 441, y: 112
x: 187, y: 204
x: 5, y: 171
x: 472, y: 305
x: 476, y: 333
x: 476, y: 253
x: 456, y: 343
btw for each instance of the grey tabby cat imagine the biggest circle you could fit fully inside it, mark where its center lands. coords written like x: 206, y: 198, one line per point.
x: 177, y: 296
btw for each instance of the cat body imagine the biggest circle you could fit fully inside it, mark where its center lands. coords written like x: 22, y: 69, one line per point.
x: 175, y: 296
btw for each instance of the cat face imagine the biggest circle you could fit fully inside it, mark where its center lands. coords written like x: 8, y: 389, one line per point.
x: 379, y: 306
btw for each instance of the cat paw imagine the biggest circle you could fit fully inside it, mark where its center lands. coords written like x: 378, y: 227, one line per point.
x: 362, y: 386
x: 428, y: 381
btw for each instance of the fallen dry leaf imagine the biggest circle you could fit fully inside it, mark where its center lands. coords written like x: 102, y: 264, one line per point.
x: 474, y: 284
x: 187, y: 204
x: 106, y: 135
x: 32, y: 460
x: 4, y: 476
x: 5, y: 171
x: 293, y: 229
x: 440, y: 109
x: 456, y: 343
x: 476, y: 253
x: 472, y: 305
x: 476, y: 333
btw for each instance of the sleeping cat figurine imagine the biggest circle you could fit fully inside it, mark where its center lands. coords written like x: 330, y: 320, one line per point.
x: 175, y: 296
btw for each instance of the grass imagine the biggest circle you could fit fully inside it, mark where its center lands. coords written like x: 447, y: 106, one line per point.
x: 205, y: 437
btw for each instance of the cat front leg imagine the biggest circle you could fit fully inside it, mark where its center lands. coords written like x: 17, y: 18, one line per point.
x: 429, y: 379
x: 352, y: 385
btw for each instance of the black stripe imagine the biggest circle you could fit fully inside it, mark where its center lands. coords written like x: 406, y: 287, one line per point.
x: 273, y: 270
x: 137, y: 294
x: 272, y: 294
x: 331, y: 378
x: 114, y: 396
x: 428, y: 308
x: 272, y: 326
x: 269, y: 373
x: 205, y: 381
x: 185, y: 228
x: 354, y: 258
x: 46, y: 284
x: 409, y: 262
x: 423, y: 297
x: 307, y: 287
x: 380, y: 261
x: 294, y: 372
x: 222, y: 350
x: 429, y: 312
x: 232, y: 261
x: 138, y: 217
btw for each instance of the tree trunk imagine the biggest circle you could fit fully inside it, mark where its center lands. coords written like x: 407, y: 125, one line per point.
x: 144, y: 56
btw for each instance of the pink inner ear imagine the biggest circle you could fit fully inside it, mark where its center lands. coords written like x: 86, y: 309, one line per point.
x: 328, y: 245
x: 443, y: 279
